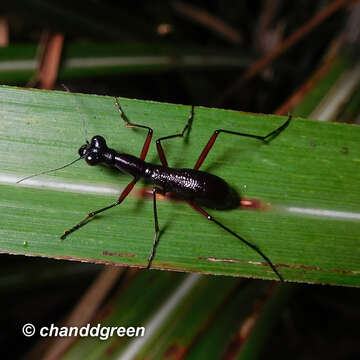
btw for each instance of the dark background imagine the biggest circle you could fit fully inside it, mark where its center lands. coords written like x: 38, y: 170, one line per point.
x: 319, y: 321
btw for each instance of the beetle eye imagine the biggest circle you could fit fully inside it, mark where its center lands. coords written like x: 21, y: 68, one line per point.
x: 82, y: 150
x: 92, y: 159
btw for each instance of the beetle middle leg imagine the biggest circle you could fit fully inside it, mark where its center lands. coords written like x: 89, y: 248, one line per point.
x: 164, y: 162
x: 159, y: 147
x: 156, y: 223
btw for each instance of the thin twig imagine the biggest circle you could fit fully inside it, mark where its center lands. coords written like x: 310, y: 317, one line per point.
x: 51, y: 61
x: 292, y: 39
x: 266, y: 37
x: 315, y: 78
x: 4, y: 32
x: 209, y: 21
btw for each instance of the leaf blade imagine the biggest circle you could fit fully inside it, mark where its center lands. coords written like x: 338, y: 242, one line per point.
x: 306, y: 167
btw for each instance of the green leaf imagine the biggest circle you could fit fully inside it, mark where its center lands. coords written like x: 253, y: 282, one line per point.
x: 268, y: 315
x: 309, y: 175
x: 18, y: 63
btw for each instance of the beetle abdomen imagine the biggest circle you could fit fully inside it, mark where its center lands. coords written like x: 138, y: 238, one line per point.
x: 198, y: 186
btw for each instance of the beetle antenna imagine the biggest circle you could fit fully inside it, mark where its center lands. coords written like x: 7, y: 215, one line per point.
x: 77, y: 108
x: 49, y: 171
